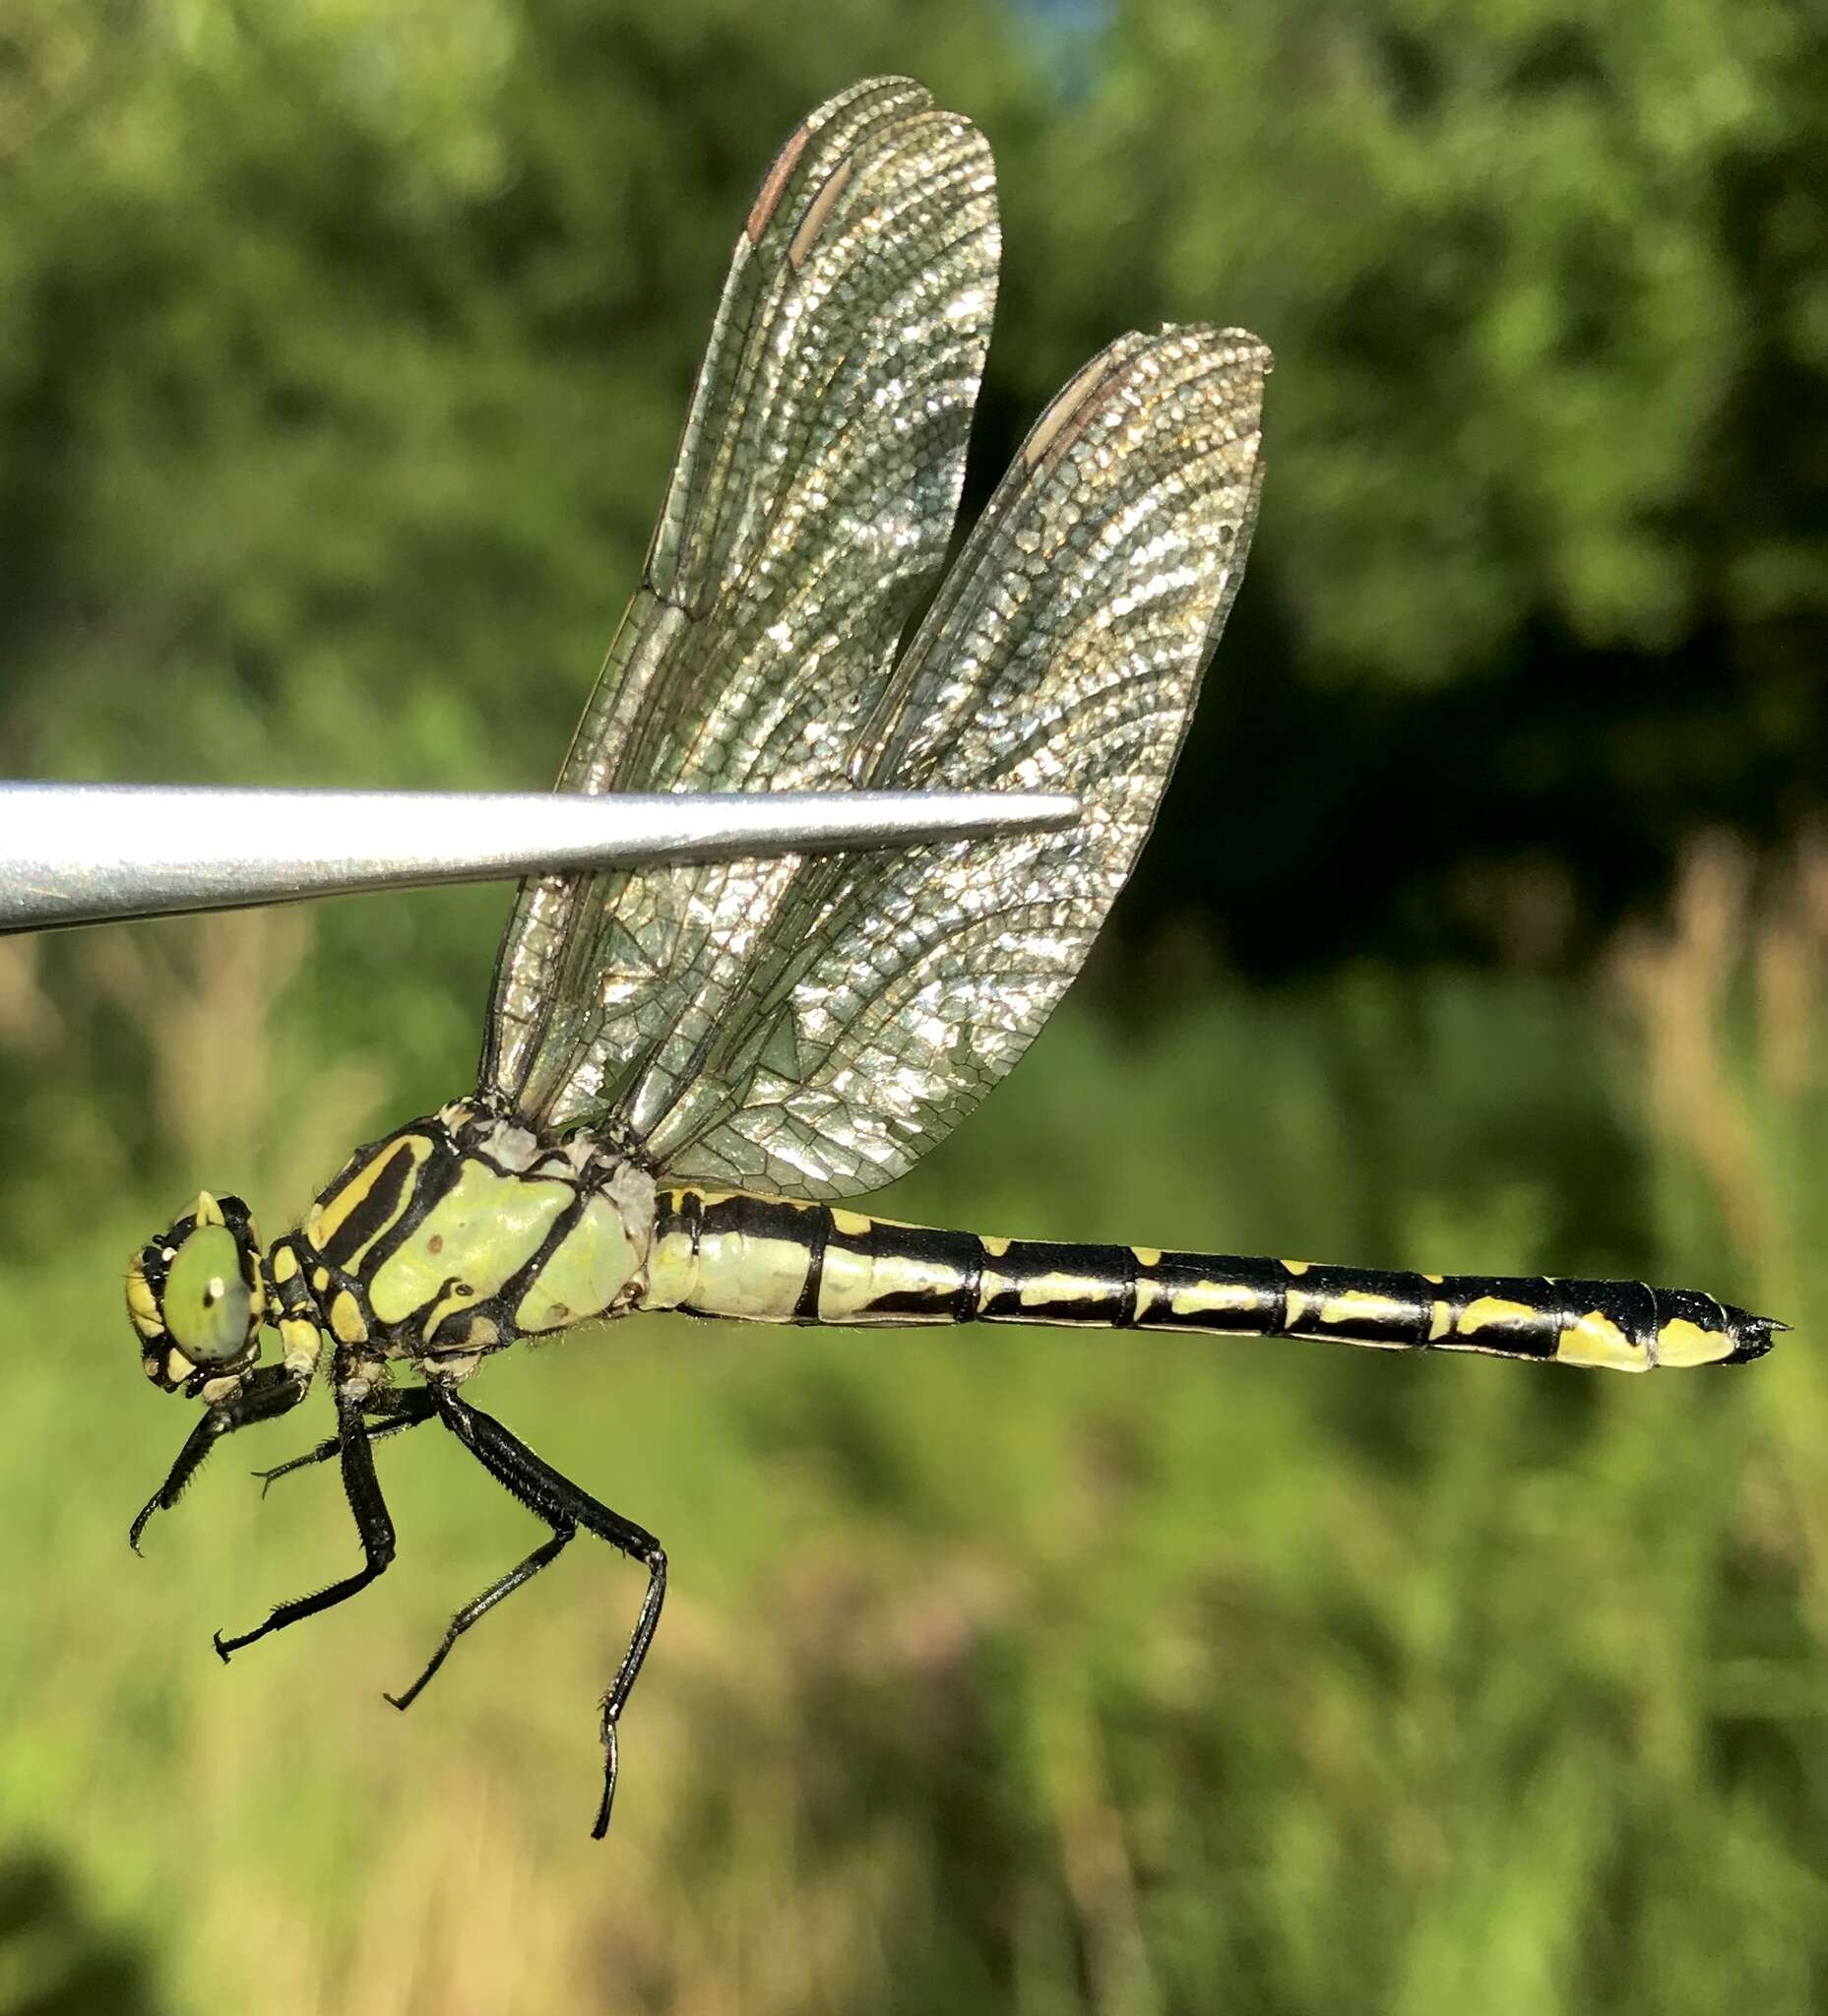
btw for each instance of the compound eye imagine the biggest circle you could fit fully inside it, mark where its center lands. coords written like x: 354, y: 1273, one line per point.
x: 208, y: 1306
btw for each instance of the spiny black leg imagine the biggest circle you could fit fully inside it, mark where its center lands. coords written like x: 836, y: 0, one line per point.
x: 363, y: 1491
x: 271, y: 1391
x: 563, y: 1505
x: 389, y: 1412
x: 546, y: 1551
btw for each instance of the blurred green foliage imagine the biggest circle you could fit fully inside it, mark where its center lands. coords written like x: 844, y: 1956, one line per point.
x: 342, y: 355
x: 1034, y: 1671
x: 341, y: 350
x: 1543, y: 279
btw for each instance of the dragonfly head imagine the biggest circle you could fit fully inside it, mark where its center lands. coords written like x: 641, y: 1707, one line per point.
x: 196, y: 1299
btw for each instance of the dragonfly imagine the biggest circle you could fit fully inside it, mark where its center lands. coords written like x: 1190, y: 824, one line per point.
x: 688, y: 1071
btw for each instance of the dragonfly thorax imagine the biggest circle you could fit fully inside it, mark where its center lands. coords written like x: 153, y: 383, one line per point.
x: 464, y: 1231
x: 438, y: 1244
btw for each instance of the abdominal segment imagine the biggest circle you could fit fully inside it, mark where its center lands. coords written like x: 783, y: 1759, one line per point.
x: 774, y: 1260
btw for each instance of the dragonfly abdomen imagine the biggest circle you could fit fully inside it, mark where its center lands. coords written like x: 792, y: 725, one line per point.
x: 1622, y: 1325
x: 774, y: 1260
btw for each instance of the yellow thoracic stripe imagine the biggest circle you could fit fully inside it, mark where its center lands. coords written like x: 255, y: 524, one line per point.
x: 340, y: 1225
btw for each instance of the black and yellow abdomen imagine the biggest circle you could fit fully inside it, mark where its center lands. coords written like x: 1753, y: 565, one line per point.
x: 768, y: 1260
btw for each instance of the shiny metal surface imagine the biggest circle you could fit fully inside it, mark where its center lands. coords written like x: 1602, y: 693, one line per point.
x: 74, y: 854
x: 812, y: 1027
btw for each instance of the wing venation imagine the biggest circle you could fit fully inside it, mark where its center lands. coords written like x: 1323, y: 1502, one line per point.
x: 1063, y: 652
x: 811, y: 1025
x: 809, y: 509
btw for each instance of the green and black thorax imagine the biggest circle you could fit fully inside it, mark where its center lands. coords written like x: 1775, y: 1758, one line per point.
x: 449, y: 1240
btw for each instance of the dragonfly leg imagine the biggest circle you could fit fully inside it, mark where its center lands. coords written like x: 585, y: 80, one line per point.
x: 564, y: 1507
x: 389, y: 1412
x: 271, y: 1391
x: 548, y: 1550
x: 363, y: 1491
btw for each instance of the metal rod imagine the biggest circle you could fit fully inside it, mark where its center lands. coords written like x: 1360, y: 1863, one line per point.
x: 87, y: 853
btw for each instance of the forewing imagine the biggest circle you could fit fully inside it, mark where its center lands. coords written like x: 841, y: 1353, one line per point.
x: 1064, y: 653
x: 810, y: 508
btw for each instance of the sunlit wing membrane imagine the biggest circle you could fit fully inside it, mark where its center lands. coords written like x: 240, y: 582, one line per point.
x: 1065, y: 652
x: 810, y: 508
